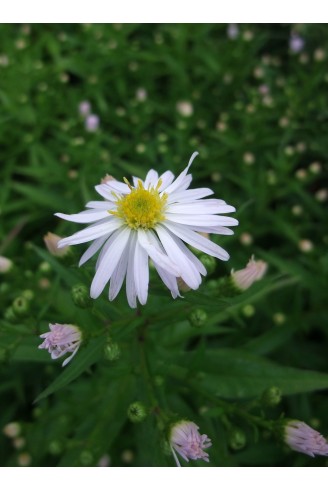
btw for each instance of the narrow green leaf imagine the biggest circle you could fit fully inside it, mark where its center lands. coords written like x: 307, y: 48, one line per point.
x: 82, y: 361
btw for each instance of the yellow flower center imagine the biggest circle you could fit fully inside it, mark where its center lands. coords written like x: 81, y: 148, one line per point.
x: 142, y: 208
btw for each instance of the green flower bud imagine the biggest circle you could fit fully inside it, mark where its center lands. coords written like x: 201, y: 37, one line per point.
x: 28, y: 294
x: 45, y: 267
x: 208, y: 262
x: 198, y: 317
x: 237, y: 439
x: 55, y: 447
x: 86, y: 458
x: 137, y: 412
x: 212, y: 284
x: 20, y: 306
x: 112, y: 351
x: 81, y: 296
x: 248, y: 311
x: 272, y: 396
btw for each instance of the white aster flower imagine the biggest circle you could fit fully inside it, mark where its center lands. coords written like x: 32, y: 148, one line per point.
x: 186, y: 440
x: 150, y: 219
x: 61, y: 340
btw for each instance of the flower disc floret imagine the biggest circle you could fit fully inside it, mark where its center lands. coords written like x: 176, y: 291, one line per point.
x: 142, y: 208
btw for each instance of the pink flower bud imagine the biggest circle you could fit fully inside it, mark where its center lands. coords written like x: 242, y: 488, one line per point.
x: 302, y: 438
x: 186, y: 440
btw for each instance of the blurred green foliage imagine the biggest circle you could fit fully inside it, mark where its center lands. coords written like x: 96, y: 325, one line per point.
x: 256, y: 112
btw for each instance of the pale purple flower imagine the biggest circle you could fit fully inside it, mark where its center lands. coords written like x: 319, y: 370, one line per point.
x: 232, y: 31
x: 84, y: 108
x: 92, y: 123
x: 296, y: 43
x: 61, y: 340
x: 186, y: 440
x: 302, y: 438
x: 254, y: 271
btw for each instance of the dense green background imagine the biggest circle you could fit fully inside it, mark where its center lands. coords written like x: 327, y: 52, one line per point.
x: 259, y: 123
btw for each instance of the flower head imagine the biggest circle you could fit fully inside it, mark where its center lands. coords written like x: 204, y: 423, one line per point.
x: 302, y: 438
x: 61, y: 340
x: 186, y: 440
x: 254, y: 271
x: 150, y: 219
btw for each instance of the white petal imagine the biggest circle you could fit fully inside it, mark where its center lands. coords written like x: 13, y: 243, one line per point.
x: 169, y: 281
x: 219, y: 230
x: 91, y: 232
x: 197, y: 241
x: 105, y: 192
x: 151, y: 178
x: 201, y: 220
x: 189, y: 273
x: 149, y: 242
x: 181, y: 179
x: 167, y: 179
x: 197, y: 263
x: 118, y: 275
x: 94, y: 247
x: 117, y: 187
x: 88, y: 216
x: 116, y: 244
x: 141, y: 272
x: 100, y: 205
x: 136, y: 181
x: 200, y: 207
x: 130, y: 286
x: 70, y: 357
x: 191, y: 195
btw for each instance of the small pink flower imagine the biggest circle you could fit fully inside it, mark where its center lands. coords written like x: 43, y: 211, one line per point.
x: 84, y: 108
x: 254, y: 271
x: 302, y: 438
x: 186, y: 440
x: 61, y: 340
x: 92, y: 123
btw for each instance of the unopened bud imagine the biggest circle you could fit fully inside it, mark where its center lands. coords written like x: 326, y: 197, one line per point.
x: 272, y: 396
x: 20, y: 306
x: 51, y: 240
x: 19, y: 442
x: 28, y: 294
x: 112, y: 351
x: 208, y: 262
x: 55, y: 447
x: 45, y: 267
x: 81, y: 296
x: 86, y: 458
x: 237, y: 439
x: 24, y: 459
x: 198, y: 317
x: 137, y: 412
x: 254, y: 271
